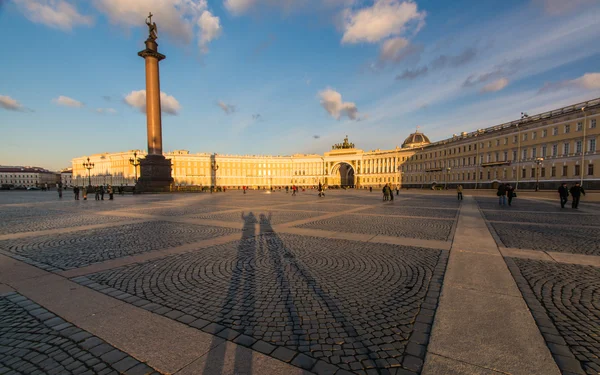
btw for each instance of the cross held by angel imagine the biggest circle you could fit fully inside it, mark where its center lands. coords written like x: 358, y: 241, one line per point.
x: 152, y: 29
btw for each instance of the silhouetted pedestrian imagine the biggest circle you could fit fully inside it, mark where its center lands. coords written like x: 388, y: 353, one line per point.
x: 459, y: 192
x: 563, y: 193
x: 576, y: 192
x: 501, y: 193
x: 510, y: 193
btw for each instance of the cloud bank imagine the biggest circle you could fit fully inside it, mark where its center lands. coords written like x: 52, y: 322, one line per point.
x: 57, y: 14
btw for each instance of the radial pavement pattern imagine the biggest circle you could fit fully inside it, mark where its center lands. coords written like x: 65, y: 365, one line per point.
x: 35, y: 341
x: 565, y: 302
x: 320, y: 304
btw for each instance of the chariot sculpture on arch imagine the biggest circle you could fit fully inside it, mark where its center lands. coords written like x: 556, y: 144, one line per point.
x: 152, y: 29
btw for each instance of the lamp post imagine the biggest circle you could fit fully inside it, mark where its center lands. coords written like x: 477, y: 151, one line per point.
x: 538, y: 161
x: 447, y: 177
x: 215, y: 167
x: 88, y: 165
x: 583, y: 146
x: 135, y: 162
x: 524, y: 116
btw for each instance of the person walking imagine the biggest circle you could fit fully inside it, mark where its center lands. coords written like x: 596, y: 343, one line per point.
x: 397, y: 189
x: 101, y: 192
x: 293, y: 190
x: 84, y: 192
x: 576, y: 192
x: 59, y: 188
x: 510, y: 193
x: 76, y: 192
x: 97, y: 193
x: 391, y: 190
x: 563, y: 193
x: 370, y: 189
x: 501, y: 195
x: 110, y: 192
x: 386, y: 193
x: 459, y: 190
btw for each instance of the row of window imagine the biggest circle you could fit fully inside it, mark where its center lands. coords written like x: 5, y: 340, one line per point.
x: 468, y: 176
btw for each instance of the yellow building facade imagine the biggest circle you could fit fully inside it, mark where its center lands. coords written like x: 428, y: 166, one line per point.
x: 548, y: 148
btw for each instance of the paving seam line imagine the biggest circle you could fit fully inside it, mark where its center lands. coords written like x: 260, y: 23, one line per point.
x: 471, y: 364
x: 50, y: 232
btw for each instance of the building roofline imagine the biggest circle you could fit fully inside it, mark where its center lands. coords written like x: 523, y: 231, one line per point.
x: 541, y: 116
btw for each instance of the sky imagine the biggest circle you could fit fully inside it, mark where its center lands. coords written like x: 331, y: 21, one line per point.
x: 280, y: 77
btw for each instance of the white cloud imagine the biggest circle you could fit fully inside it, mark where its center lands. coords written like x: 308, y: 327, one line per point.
x: 178, y: 19
x: 589, y: 81
x: 495, y: 86
x: 58, y: 14
x: 10, y: 104
x: 557, y: 7
x: 111, y: 111
x: 391, y: 48
x: 68, y: 102
x: 386, y: 18
x: 168, y: 104
x: 240, y: 7
x: 227, y: 108
x: 210, y: 28
x: 331, y: 101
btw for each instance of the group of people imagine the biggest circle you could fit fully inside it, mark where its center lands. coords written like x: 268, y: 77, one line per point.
x: 99, y: 192
x: 576, y: 191
x: 388, y: 192
x: 505, y: 191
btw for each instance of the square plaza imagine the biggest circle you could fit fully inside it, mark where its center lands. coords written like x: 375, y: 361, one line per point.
x: 270, y: 283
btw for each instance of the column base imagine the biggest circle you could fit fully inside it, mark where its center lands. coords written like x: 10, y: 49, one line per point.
x: 155, y: 175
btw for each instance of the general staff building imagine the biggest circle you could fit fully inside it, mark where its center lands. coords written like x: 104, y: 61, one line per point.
x: 547, y: 148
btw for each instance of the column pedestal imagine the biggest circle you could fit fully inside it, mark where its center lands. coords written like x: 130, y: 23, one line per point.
x: 155, y: 175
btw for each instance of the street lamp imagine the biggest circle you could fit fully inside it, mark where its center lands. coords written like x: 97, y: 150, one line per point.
x: 447, y: 178
x: 538, y: 161
x: 583, y: 146
x: 215, y: 167
x: 135, y: 162
x: 88, y: 165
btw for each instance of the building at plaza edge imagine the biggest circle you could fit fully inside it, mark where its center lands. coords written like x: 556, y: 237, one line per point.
x: 547, y: 148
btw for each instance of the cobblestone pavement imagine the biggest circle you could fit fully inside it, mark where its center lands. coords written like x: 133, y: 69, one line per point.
x: 72, y: 250
x: 449, y: 213
x: 262, y: 216
x: 565, y: 301
x: 299, y: 299
x: 35, y: 341
x: 577, y: 220
x: 572, y: 231
x: 53, y: 220
x: 426, y: 229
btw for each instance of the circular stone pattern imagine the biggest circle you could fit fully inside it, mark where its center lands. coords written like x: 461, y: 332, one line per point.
x: 571, y: 296
x: 341, y: 301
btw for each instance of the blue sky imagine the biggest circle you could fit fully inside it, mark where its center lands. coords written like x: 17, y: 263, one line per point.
x: 267, y: 76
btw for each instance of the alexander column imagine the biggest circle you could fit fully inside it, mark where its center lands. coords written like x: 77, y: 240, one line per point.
x: 155, y: 169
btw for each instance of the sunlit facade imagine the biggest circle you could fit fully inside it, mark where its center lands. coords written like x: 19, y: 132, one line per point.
x: 551, y: 147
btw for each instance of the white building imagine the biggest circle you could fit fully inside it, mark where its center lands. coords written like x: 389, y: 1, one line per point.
x: 16, y: 176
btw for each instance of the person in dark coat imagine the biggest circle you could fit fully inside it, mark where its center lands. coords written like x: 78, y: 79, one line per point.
x: 563, y: 193
x: 501, y: 195
x: 576, y: 192
x: 510, y: 193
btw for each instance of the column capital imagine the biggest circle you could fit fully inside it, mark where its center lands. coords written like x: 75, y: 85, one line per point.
x: 150, y: 53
